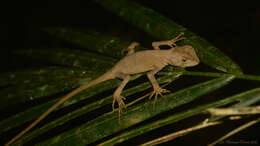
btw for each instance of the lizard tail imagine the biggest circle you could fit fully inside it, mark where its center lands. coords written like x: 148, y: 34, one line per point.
x: 107, y: 76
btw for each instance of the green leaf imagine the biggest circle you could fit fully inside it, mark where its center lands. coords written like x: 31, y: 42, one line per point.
x: 40, y: 83
x: 92, y: 40
x: 254, y: 93
x: 106, y: 124
x: 69, y: 57
x: 163, y: 28
x: 246, y: 98
x: 34, y: 112
x: 102, y: 52
x: 91, y: 107
x: 41, y: 75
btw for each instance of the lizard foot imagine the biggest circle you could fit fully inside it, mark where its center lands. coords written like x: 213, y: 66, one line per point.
x: 157, y: 91
x: 173, y: 41
x: 120, y: 100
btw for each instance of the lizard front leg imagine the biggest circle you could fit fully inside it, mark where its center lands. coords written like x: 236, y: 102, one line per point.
x: 131, y: 48
x: 156, y: 87
x: 117, y: 93
x: 171, y: 43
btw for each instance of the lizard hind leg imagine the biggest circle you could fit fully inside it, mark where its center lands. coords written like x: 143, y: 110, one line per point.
x: 117, y: 94
x: 131, y: 48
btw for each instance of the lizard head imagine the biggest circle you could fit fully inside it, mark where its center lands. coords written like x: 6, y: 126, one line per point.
x: 185, y: 56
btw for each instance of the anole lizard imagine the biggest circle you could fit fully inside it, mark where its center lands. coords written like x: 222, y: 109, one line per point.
x: 134, y: 63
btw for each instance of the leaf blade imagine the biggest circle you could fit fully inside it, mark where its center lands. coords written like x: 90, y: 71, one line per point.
x: 163, y: 28
x: 254, y: 93
x: 92, y: 106
x: 95, y: 129
x: 69, y: 57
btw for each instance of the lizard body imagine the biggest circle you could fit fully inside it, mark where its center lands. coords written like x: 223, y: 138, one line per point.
x: 133, y: 63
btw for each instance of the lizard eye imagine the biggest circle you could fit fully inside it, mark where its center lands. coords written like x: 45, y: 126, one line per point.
x: 184, y: 60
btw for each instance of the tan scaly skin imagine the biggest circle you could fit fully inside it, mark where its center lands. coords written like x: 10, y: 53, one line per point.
x: 134, y: 63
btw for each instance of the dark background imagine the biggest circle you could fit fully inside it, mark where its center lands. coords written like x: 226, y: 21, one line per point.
x: 232, y: 26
